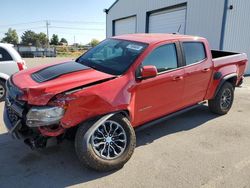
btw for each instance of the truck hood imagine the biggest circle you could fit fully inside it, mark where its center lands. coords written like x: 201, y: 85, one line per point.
x: 42, y: 83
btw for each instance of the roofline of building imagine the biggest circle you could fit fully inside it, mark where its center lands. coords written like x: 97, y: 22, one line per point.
x: 107, y: 10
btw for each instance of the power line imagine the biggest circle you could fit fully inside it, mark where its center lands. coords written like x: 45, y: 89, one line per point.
x: 57, y: 21
x: 26, y: 29
x: 75, y: 33
x: 24, y: 23
x: 56, y: 27
x: 77, y: 22
x: 76, y: 28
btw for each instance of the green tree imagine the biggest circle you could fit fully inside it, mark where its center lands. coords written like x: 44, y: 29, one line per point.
x: 42, y: 38
x: 94, y: 42
x: 63, y: 40
x: 11, y: 37
x: 54, y: 40
x: 30, y: 38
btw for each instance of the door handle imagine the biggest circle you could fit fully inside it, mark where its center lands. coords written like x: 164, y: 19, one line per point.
x: 206, y: 70
x: 176, y: 78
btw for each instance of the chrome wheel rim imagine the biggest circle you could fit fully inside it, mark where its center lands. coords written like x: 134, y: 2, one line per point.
x: 226, y: 99
x: 2, y: 91
x: 109, y: 140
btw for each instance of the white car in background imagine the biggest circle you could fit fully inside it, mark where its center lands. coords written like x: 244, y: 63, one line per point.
x: 10, y: 63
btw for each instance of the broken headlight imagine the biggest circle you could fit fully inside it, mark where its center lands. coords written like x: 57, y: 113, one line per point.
x: 44, y: 116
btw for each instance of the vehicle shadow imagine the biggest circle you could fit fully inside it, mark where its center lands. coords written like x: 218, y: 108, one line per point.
x: 183, y: 122
x: 58, y: 166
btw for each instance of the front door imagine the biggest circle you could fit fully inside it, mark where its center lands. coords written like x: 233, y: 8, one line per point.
x: 161, y: 95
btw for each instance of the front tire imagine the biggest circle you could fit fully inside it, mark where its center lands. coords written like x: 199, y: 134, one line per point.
x: 223, y: 101
x: 2, y: 90
x: 108, y: 147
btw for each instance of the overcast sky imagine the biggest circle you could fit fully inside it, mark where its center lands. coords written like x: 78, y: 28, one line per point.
x: 79, y: 19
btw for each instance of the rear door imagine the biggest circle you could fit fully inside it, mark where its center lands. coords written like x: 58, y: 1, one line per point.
x: 158, y: 96
x: 198, y: 71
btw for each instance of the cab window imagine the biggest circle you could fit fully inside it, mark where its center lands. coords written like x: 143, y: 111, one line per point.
x: 194, y: 52
x: 163, y: 58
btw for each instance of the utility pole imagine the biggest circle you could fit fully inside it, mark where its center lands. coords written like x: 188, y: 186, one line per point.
x: 47, y: 26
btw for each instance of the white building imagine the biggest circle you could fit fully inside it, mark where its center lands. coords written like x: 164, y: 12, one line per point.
x: 225, y: 23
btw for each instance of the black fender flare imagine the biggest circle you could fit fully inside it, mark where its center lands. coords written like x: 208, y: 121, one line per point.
x: 223, y: 80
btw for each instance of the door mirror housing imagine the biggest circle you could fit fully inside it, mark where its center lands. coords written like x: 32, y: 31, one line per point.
x: 148, y: 71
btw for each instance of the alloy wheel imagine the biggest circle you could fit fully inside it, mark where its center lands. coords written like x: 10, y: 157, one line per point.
x: 226, y: 99
x: 109, y: 140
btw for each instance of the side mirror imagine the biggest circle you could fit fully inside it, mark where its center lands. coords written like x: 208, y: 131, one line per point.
x: 148, y: 71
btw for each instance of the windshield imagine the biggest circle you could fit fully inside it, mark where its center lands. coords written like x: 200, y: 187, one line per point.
x: 112, y: 56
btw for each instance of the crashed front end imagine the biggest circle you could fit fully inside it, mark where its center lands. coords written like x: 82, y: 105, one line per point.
x: 33, y: 124
x: 51, y: 101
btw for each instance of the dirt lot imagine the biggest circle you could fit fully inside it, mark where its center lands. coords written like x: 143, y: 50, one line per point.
x: 196, y: 149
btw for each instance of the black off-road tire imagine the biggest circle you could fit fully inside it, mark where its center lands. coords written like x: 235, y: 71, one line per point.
x: 90, y: 159
x: 2, y: 85
x: 215, y: 104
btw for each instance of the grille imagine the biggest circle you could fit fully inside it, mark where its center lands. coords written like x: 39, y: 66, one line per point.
x: 15, y: 108
x: 12, y: 115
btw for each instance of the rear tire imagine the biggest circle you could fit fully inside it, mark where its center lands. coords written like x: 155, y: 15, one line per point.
x: 223, y: 100
x: 2, y: 90
x: 98, y: 151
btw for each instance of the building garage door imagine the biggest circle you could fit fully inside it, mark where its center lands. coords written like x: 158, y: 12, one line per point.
x: 168, y: 21
x: 125, y: 26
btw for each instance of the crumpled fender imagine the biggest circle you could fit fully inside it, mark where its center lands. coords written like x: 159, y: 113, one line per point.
x: 95, y: 101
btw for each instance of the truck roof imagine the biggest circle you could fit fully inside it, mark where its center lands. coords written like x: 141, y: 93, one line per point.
x: 155, y: 38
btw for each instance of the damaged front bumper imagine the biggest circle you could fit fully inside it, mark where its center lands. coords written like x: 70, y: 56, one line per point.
x: 13, y: 122
x: 18, y: 131
x: 14, y: 113
x: 14, y: 118
x: 12, y: 129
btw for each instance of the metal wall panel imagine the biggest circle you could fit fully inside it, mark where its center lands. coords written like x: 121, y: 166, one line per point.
x: 204, y: 18
x: 237, y: 35
x: 168, y: 21
x: 125, y: 26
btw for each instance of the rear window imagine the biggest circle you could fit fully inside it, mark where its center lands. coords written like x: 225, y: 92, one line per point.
x: 4, y: 55
x: 194, y: 52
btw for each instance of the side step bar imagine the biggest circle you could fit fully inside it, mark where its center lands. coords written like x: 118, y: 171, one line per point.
x: 164, y: 118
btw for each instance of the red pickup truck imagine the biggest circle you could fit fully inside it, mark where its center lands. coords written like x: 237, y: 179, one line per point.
x: 119, y: 85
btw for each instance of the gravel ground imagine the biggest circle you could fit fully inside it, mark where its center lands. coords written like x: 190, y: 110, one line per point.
x: 195, y: 149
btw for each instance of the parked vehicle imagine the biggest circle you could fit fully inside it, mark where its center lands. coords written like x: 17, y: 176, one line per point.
x: 119, y: 85
x: 32, y: 51
x: 10, y: 62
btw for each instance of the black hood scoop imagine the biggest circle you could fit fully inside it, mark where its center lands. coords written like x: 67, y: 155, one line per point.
x: 54, y: 71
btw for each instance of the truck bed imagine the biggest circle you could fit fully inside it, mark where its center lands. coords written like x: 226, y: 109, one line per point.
x: 219, y: 54
x: 221, y: 58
